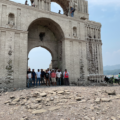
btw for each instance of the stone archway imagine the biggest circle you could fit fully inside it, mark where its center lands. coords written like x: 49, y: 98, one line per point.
x: 64, y: 4
x: 47, y: 34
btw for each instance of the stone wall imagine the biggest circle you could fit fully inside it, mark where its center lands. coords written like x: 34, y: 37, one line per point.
x: 74, y: 43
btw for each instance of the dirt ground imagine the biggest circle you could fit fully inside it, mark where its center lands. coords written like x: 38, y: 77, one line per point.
x: 61, y: 103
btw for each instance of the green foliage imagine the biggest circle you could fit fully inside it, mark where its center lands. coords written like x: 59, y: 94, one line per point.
x: 112, y: 72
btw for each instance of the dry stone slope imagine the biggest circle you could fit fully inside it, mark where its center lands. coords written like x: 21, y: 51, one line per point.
x: 61, y: 103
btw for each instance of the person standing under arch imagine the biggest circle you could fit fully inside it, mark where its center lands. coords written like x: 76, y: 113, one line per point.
x: 42, y: 76
x: 66, y: 77
x: 47, y: 76
x: 53, y: 77
x: 29, y: 78
x: 33, y: 76
x: 38, y: 76
x: 59, y: 75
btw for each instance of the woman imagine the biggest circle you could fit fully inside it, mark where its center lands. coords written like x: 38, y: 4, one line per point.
x: 53, y: 77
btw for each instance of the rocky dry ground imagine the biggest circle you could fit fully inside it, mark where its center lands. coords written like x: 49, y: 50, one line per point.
x: 61, y: 103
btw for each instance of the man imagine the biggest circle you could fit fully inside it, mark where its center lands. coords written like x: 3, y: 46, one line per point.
x: 53, y: 77
x: 38, y: 76
x: 59, y: 12
x: 29, y: 78
x: 26, y: 2
x: 66, y: 77
x: 59, y: 75
x: 33, y: 76
x: 72, y: 10
x: 42, y: 76
x: 33, y: 4
x: 49, y: 71
x: 47, y: 75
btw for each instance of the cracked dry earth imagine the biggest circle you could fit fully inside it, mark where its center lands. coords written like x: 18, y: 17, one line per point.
x: 61, y: 103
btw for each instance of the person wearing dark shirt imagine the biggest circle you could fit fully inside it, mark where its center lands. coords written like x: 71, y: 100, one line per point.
x: 47, y: 77
x: 26, y: 2
x: 72, y: 10
x: 29, y: 78
x: 33, y: 76
x: 42, y: 76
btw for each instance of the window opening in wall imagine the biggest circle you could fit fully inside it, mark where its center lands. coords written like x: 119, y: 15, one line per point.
x: 56, y: 8
x: 74, y: 32
x: 42, y: 35
x: 11, y: 19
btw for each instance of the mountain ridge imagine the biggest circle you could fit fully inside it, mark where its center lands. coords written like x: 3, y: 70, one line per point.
x: 112, y: 67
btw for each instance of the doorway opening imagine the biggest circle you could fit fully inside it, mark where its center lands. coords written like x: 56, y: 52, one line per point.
x: 47, y: 34
x: 56, y: 8
x: 39, y: 58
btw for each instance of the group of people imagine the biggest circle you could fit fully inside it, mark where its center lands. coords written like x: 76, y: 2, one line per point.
x: 72, y: 10
x: 48, y: 77
x: 32, y: 3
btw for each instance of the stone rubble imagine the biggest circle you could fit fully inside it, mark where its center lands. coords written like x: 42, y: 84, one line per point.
x: 67, y: 103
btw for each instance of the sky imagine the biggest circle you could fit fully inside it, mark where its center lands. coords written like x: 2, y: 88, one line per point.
x: 107, y: 12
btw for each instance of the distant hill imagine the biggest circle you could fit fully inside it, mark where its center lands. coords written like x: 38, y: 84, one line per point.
x: 113, y: 67
x: 112, y: 72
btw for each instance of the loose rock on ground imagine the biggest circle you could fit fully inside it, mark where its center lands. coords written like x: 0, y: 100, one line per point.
x: 61, y: 103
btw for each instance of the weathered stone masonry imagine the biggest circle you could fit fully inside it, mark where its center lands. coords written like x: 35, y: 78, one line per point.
x: 74, y: 43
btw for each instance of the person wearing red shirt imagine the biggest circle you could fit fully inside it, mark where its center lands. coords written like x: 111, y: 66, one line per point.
x: 66, y: 77
x: 53, y: 77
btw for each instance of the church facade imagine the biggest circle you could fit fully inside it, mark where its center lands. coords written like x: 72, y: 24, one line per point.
x: 74, y: 42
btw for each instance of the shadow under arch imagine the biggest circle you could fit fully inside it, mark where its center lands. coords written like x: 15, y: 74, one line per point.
x: 51, y: 24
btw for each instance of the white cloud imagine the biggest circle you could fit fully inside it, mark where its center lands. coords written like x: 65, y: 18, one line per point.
x: 105, y: 2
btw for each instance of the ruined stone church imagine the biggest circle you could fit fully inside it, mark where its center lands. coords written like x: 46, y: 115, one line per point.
x: 74, y: 42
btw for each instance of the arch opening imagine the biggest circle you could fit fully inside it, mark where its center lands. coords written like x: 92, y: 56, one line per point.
x: 55, y: 7
x: 64, y: 5
x: 48, y: 34
x: 11, y: 19
x: 39, y: 58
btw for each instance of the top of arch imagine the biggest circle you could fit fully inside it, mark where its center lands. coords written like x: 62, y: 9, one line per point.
x: 80, y: 6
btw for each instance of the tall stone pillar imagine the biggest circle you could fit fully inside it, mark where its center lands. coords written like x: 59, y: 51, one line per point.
x: 36, y: 3
x: 21, y: 58
x: 101, y: 60
x: 49, y: 6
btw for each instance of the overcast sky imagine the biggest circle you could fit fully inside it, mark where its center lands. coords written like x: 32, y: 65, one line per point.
x: 107, y: 12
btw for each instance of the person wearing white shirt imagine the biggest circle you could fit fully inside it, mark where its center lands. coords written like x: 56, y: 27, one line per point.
x: 59, y: 75
x: 33, y: 4
x: 29, y: 77
x: 38, y: 76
